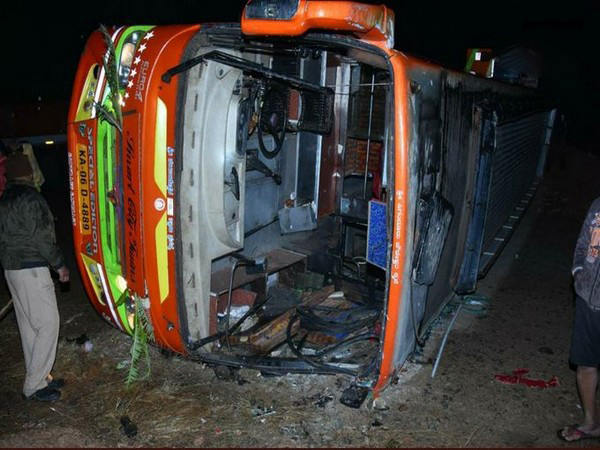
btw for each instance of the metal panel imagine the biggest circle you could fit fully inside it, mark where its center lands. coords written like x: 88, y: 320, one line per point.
x: 485, y: 124
x: 519, y: 147
x: 308, y: 144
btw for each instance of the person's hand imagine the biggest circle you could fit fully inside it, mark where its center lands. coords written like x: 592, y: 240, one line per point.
x: 63, y: 274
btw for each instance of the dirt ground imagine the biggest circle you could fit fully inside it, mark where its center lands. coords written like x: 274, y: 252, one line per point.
x: 520, y: 319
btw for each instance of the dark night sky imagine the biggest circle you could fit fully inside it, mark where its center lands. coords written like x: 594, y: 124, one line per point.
x: 42, y: 42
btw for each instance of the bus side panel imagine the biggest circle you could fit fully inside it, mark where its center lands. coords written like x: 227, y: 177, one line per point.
x: 478, y: 148
x: 445, y: 167
x: 441, y: 134
x: 395, y: 347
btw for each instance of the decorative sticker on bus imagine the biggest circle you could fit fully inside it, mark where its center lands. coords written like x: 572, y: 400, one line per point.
x: 131, y: 197
x: 139, y: 70
x: 170, y: 200
x: 92, y: 191
x: 397, y: 239
x: 72, y: 189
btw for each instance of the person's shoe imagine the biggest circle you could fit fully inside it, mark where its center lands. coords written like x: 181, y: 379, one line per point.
x: 46, y: 394
x: 573, y: 433
x: 57, y: 383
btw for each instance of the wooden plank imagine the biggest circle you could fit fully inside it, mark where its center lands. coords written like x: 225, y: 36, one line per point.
x: 275, y: 332
x: 277, y: 260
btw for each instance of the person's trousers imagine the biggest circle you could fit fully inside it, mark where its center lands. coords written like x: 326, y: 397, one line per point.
x: 34, y: 300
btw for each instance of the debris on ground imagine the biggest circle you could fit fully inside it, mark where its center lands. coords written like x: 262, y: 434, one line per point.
x: 129, y: 428
x: 83, y: 342
x: 320, y: 400
x: 261, y: 411
x: 475, y: 304
x: 354, y: 396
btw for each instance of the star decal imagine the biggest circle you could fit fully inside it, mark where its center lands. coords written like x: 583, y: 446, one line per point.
x: 136, y: 62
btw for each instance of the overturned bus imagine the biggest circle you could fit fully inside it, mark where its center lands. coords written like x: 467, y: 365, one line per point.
x: 291, y: 194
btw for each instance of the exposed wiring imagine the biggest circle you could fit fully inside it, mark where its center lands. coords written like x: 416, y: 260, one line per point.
x: 202, y: 342
x: 346, y: 343
x: 322, y: 367
x: 213, y: 337
x: 360, y: 264
x: 307, y: 359
x: 236, y: 264
x: 240, y: 261
x: 356, y: 318
x: 311, y: 321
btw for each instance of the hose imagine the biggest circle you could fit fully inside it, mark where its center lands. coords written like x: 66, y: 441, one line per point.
x: 439, y: 355
x: 324, y: 366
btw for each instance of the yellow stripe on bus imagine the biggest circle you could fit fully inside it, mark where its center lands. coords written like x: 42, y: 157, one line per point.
x: 160, y: 147
x: 160, y: 178
x: 162, y: 262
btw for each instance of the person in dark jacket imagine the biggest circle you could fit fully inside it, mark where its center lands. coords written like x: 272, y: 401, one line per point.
x: 585, y: 341
x: 27, y: 247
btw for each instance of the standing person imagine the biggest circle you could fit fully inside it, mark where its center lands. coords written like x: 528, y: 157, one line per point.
x: 585, y: 342
x: 27, y: 247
